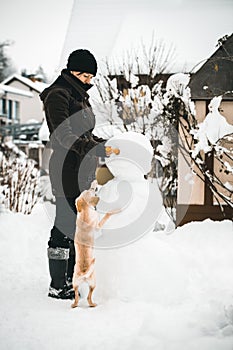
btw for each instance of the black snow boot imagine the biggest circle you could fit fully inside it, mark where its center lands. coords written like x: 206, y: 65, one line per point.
x: 58, y: 264
x: 71, y: 264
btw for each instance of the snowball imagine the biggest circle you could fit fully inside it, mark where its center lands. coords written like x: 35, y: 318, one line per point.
x: 136, y: 152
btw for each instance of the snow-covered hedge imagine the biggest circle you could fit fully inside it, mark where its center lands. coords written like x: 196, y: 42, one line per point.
x: 19, y: 179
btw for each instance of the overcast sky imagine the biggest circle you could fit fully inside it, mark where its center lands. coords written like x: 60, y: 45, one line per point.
x: 45, y: 31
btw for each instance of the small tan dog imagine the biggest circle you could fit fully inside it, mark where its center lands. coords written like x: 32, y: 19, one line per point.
x: 86, y: 225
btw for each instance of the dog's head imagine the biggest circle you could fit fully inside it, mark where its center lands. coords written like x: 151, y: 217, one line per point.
x: 86, y: 199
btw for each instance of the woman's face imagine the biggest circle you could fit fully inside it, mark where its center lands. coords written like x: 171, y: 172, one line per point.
x: 84, y: 77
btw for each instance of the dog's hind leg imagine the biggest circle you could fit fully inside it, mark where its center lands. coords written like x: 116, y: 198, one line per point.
x: 75, y: 303
x: 92, y: 284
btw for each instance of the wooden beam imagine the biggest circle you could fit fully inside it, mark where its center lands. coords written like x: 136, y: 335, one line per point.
x: 187, y: 213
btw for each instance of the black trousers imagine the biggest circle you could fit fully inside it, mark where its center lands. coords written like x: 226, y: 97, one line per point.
x: 64, y: 223
x: 62, y: 233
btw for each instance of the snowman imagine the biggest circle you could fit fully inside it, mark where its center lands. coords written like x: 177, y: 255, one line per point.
x: 135, y: 199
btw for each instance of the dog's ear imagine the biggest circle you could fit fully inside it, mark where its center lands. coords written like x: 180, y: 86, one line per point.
x: 79, y: 204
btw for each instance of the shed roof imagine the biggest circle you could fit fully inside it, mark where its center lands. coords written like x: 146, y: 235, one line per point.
x: 215, y: 77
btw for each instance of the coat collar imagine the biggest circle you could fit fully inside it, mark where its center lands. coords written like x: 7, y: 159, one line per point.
x: 77, y: 84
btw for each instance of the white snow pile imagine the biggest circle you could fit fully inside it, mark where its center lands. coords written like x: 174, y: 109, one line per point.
x: 131, y: 78
x: 170, y: 292
x: 213, y: 128
x: 177, y: 86
x: 44, y: 131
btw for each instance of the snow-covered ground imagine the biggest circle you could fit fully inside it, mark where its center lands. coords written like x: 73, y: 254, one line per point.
x: 164, y: 292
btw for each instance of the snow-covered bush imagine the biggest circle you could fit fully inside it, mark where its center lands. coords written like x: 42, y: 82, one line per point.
x: 154, y: 113
x: 19, y: 179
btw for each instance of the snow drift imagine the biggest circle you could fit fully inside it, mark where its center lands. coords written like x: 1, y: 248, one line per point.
x: 170, y: 292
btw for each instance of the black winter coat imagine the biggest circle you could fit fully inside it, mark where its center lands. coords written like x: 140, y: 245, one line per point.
x: 71, y: 121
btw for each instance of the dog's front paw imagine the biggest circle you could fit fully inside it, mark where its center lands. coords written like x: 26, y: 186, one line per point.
x: 115, y: 211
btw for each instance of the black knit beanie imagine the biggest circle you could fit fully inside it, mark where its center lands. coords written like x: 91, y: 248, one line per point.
x: 82, y: 61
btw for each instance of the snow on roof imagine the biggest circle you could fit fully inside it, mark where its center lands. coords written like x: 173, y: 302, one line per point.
x: 15, y: 91
x: 215, y: 76
x: 37, y: 85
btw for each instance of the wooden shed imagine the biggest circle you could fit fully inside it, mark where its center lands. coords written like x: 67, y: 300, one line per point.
x: 195, y: 201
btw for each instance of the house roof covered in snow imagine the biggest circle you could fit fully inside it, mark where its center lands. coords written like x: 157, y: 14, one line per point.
x: 9, y: 89
x: 35, y: 85
x: 215, y: 77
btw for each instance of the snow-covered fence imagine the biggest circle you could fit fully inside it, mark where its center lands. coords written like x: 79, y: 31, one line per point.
x: 29, y: 131
x: 19, y: 179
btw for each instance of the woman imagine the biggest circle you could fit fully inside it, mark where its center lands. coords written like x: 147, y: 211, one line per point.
x: 72, y: 165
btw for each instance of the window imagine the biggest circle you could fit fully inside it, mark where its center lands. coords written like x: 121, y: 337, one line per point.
x: 17, y: 110
x: 4, y: 109
x: 10, y: 109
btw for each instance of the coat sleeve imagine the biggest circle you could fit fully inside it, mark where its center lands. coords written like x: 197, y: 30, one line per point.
x: 57, y: 110
x: 100, y: 149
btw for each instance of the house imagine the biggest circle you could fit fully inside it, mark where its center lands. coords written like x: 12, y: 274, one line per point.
x: 10, y: 100
x: 29, y: 110
x: 196, y: 202
x: 21, y: 113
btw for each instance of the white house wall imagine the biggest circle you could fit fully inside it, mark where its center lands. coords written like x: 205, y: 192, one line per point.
x: 226, y: 109
x: 200, y: 107
x: 30, y: 108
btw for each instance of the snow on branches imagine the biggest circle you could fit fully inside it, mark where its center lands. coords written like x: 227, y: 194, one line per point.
x: 213, y: 138
x: 19, y: 179
x: 167, y: 117
x: 211, y: 130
